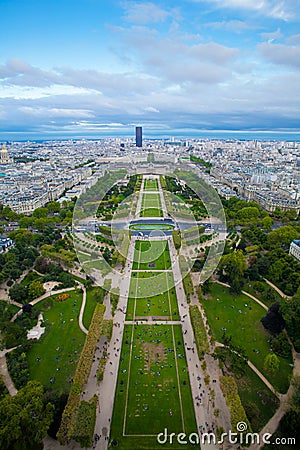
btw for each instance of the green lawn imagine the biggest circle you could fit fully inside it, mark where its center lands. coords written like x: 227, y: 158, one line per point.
x: 150, y: 255
x: 259, y: 402
x: 164, y: 303
x: 151, y: 212
x: 273, y: 298
x: 151, y: 206
x: 150, y: 185
x: 239, y: 316
x: 58, y: 350
x: 94, y: 295
x: 151, y: 375
x: 29, y: 278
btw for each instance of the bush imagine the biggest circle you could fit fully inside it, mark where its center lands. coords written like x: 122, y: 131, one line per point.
x: 233, y: 401
x: 62, y: 297
x: 81, y: 376
x: 85, y: 422
x: 199, y: 331
x: 176, y: 238
x: 114, y: 300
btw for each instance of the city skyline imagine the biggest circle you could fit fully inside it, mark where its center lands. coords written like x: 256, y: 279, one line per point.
x: 191, y: 67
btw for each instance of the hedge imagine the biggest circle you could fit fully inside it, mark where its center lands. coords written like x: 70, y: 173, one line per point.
x: 114, y: 299
x: 106, y: 330
x: 176, y: 238
x: 186, y: 278
x: 233, y: 401
x: 81, y: 376
x: 85, y: 422
x: 199, y: 331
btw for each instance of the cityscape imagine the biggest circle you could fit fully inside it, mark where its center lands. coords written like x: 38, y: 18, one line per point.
x: 150, y: 225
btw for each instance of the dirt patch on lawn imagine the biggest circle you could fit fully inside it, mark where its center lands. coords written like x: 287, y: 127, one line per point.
x: 153, y: 353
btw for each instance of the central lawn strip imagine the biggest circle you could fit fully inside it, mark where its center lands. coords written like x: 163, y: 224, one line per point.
x: 94, y: 295
x: 162, y: 305
x: 151, y: 255
x: 150, y: 185
x: 239, y: 316
x: 151, y: 206
x: 148, y: 391
x: 56, y: 354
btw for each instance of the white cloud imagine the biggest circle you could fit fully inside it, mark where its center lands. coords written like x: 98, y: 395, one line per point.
x: 277, y: 9
x: 34, y: 93
x: 236, y: 26
x: 147, y: 12
x: 286, y: 55
x: 272, y: 35
x: 56, y: 112
x: 151, y: 109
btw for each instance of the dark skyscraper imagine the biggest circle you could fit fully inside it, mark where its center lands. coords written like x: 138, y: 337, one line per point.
x: 138, y: 137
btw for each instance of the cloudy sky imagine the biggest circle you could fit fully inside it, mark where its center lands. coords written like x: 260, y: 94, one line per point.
x: 95, y: 67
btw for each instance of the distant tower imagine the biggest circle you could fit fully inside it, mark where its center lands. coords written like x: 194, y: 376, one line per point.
x: 138, y: 137
x: 4, y: 156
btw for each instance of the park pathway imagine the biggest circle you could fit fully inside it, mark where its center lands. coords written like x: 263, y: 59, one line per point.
x: 259, y: 302
x: 106, y: 390
x: 282, y: 294
x: 5, y: 373
x: 284, y: 406
x: 83, y: 303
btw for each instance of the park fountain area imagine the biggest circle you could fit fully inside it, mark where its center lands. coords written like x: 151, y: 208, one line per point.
x: 37, y: 331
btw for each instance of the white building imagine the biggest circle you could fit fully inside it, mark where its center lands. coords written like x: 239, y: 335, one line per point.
x: 295, y: 249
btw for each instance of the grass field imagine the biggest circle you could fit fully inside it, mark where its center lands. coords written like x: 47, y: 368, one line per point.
x: 239, y: 316
x: 151, y: 206
x: 58, y: 350
x: 259, y: 402
x: 153, y: 389
x: 150, y: 255
x: 162, y: 305
x: 93, y: 296
x: 150, y: 185
x: 275, y: 297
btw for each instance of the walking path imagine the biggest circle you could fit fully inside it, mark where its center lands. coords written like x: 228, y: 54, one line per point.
x: 82, y: 327
x: 106, y: 390
x: 162, y: 199
x: 5, y: 373
x: 284, y: 406
x: 273, y: 423
x: 42, y: 297
x: 282, y: 294
x: 255, y: 369
x: 246, y: 293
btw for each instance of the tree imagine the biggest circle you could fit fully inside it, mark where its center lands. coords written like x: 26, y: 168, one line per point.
x: 291, y: 312
x: 24, y: 418
x: 267, y: 223
x: 53, y: 207
x: 18, y: 293
x: 234, y: 266
x: 40, y: 212
x: 206, y: 286
x: 271, y: 363
x: 282, y: 237
x: 35, y: 290
x: 273, y: 321
x: 249, y: 214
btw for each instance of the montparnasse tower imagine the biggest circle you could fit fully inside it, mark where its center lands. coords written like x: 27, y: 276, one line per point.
x: 4, y: 156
